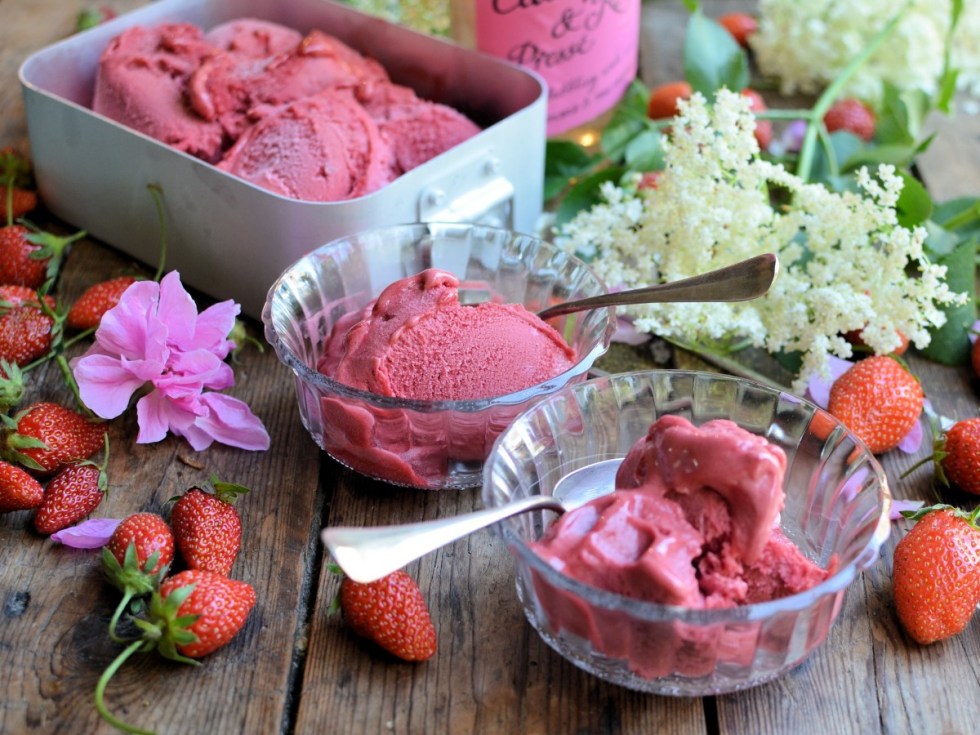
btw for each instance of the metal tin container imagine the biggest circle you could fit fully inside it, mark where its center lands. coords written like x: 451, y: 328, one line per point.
x: 230, y: 238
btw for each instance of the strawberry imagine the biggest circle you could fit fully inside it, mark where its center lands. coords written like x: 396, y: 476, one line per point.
x: 136, y: 559
x: 975, y: 357
x: 207, y: 528
x: 958, y: 454
x: 26, y: 334
x: 218, y: 605
x: 15, y: 295
x: 763, y: 128
x: 16, y: 202
x: 71, y: 495
x: 87, y: 311
x: 45, y: 436
x: 150, y: 536
x: 851, y: 115
x: 30, y: 257
x: 194, y: 613
x: 936, y: 573
x: 663, y: 99
x: 740, y: 25
x: 391, y: 612
x: 650, y: 180
x: 879, y: 400
x: 18, y: 489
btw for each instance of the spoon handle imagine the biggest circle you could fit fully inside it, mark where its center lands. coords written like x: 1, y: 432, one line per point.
x: 740, y: 281
x: 372, y: 552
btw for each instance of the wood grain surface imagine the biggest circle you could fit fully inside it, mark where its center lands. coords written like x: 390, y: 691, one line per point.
x: 296, y: 668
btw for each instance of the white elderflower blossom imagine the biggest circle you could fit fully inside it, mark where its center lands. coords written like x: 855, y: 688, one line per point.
x: 845, y: 260
x: 806, y: 44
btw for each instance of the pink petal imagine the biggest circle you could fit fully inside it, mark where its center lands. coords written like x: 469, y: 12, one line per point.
x: 105, y: 384
x: 91, y: 534
x: 899, y: 505
x: 213, y: 327
x: 627, y: 334
x: 156, y: 415
x: 913, y: 440
x: 974, y: 329
x: 129, y: 329
x: 177, y: 310
x: 230, y: 421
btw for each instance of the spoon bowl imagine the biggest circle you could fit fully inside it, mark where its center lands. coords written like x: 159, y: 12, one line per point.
x: 368, y: 553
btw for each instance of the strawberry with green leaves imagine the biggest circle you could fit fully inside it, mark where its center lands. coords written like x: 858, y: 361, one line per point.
x: 936, y: 573
x: 207, y: 527
x: 193, y: 614
x: 19, y: 490
x: 31, y: 257
x: 957, y: 455
x: 45, y: 436
x: 72, y: 494
x: 392, y: 613
x: 879, y: 400
x: 136, y: 559
x: 87, y: 311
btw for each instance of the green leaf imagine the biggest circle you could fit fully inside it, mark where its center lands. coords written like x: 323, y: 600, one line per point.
x: 844, y: 146
x: 585, y: 193
x: 961, y: 215
x: 629, y: 119
x: 940, y: 242
x: 951, y: 343
x: 914, y: 203
x: 563, y: 162
x: 901, y: 115
x: 896, y: 155
x: 645, y: 152
x: 712, y: 58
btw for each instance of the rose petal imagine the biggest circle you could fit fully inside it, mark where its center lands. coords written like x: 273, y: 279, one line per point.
x: 230, y: 421
x: 105, y: 384
x: 91, y: 534
x: 627, y: 334
x: 177, y: 310
x: 213, y: 327
x: 913, y: 440
x: 819, y: 386
x: 898, y: 506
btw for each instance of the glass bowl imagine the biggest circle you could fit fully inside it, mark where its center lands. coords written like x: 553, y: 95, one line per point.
x: 425, y: 444
x: 837, y: 508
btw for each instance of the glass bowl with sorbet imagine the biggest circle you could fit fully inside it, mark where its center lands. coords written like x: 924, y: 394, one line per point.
x: 722, y: 523
x: 414, y: 346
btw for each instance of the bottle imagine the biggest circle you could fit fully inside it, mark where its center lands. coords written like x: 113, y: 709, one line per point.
x: 586, y: 50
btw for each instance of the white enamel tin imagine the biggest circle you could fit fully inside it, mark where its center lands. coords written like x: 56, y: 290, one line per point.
x: 231, y: 239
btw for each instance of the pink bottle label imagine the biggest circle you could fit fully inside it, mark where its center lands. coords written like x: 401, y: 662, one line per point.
x: 586, y: 50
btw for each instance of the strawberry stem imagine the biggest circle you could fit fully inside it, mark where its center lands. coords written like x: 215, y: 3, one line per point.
x: 157, y: 193
x: 103, y: 682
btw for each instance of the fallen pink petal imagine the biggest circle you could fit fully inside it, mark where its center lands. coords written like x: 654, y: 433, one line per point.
x: 898, y: 506
x: 91, y: 534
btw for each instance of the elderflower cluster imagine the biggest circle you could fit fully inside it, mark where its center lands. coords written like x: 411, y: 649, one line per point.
x: 806, y: 44
x: 845, y: 262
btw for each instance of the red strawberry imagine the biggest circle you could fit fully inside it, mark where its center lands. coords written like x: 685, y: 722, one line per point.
x: 207, y: 527
x: 851, y: 115
x: 763, y: 128
x: 391, y: 612
x: 87, y: 311
x: 16, y: 202
x: 958, y: 452
x: 15, y: 295
x: 740, y: 25
x: 663, y: 99
x: 879, y: 400
x: 975, y: 357
x: 650, y: 180
x: 26, y: 334
x: 71, y: 495
x: 149, y: 534
x: 936, y: 573
x: 31, y: 257
x: 221, y: 606
x: 194, y: 613
x: 45, y: 436
x: 18, y: 489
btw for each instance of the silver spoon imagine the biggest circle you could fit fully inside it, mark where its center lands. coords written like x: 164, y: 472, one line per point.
x: 740, y: 281
x: 368, y: 553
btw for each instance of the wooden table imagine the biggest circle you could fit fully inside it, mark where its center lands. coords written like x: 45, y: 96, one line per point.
x: 296, y: 668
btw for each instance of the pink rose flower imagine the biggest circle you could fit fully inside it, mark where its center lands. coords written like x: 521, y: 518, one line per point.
x: 155, y: 338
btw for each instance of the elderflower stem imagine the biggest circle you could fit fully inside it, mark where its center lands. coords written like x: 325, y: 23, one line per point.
x: 104, y: 681
x: 830, y: 94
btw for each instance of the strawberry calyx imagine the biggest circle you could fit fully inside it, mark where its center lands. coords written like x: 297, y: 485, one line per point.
x: 133, y: 580
x: 11, y: 385
x: 226, y: 492
x: 971, y: 517
x: 50, y: 247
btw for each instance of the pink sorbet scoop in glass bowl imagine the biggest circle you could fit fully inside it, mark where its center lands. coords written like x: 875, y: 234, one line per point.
x: 439, y: 440
x: 666, y: 585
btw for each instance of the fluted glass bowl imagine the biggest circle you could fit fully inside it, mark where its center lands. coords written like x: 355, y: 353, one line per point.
x: 837, y: 507
x: 425, y: 444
